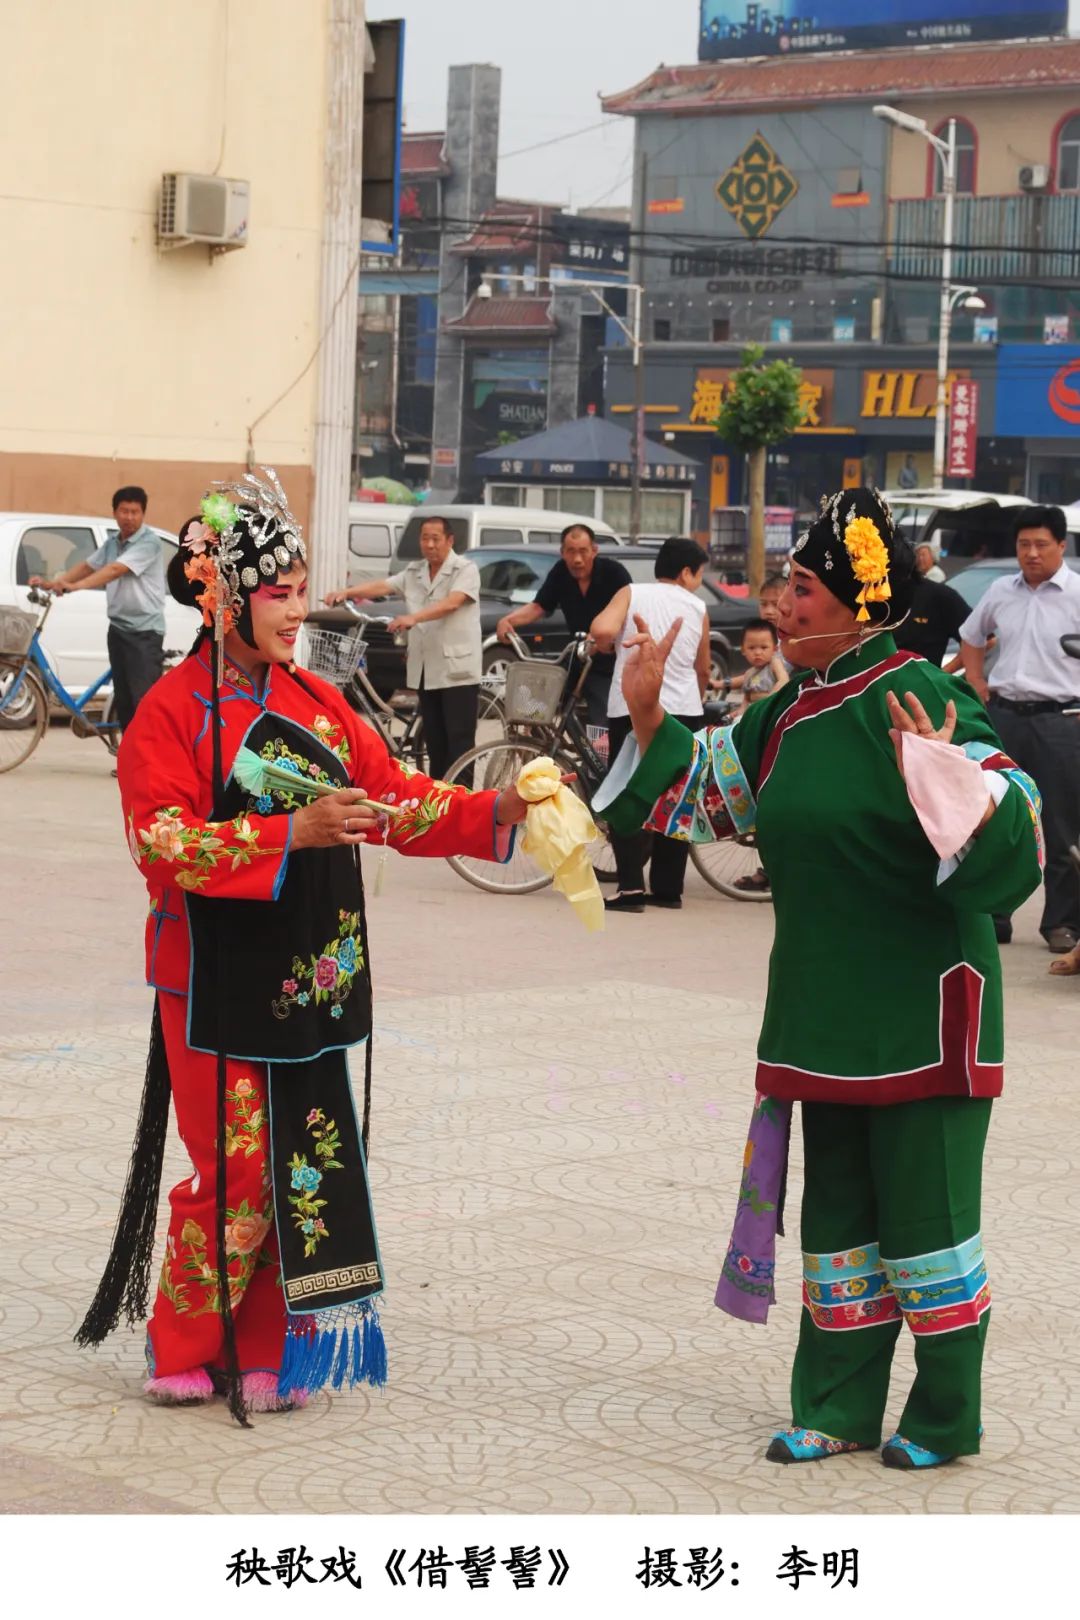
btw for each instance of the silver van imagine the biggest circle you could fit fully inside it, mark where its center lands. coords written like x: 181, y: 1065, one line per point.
x: 495, y: 526
x: 375, y: 528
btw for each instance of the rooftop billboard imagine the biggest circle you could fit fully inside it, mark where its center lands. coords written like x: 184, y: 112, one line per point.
x: 793, y: 27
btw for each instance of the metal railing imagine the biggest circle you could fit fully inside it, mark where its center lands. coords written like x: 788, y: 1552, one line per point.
x: 1031, y: 236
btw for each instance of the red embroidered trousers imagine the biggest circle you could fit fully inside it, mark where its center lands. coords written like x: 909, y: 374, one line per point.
x: 185, y: 1328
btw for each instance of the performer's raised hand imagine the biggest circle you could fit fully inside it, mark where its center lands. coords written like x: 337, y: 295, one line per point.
x: 917, y: 721
x: 334, y: 818
x: 643, y: 676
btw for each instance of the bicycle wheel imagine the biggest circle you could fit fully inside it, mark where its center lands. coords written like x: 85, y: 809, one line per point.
x: 490, y: 714
x: 109, y: 730
x: 722, y: 864
x: 25, y: 718
x: 497, y: 765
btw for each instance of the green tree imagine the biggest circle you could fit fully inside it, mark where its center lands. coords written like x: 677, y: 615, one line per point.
x: 761, y: 407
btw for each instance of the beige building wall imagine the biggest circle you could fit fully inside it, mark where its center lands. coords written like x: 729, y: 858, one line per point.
x: 122, y: 363
x: 1012, y: 129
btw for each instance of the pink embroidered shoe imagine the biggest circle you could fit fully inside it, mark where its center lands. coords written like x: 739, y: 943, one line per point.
x: 260, y: 1390
x: 180, y: 1389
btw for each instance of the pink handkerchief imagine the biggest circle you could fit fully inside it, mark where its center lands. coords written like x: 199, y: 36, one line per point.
x: 948, y: 791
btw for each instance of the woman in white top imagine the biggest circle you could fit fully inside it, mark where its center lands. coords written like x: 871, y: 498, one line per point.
x: 680, y: 569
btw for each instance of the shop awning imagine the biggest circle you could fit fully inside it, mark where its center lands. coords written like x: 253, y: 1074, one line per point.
x: 592, y: 448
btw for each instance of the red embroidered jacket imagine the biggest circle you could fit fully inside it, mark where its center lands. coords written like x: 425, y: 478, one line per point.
x: 164, y: 769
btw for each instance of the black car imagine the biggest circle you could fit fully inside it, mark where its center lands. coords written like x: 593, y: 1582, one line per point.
x: 511, y: 577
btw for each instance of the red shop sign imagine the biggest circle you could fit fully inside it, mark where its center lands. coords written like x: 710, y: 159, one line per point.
x: 963, y: 428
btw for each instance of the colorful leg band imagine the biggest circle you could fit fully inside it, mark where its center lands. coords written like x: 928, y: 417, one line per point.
x: 849, y: 1289
x: 944, y: 1290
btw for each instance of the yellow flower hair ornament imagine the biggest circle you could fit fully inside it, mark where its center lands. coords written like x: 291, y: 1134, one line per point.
x: 869, y: 563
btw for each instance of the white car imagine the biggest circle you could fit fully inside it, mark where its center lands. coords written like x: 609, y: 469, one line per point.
x: 74, y: 639
x: 962, y: 524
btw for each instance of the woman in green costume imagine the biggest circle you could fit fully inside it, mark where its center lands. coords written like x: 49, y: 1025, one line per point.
x: 891, y: 825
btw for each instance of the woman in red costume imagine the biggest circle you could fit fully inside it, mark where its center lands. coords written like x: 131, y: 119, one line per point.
x: 257, y: 949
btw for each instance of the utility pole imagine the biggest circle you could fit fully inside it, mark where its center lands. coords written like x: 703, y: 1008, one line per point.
x: 636, y: 339
x: 945, y: 319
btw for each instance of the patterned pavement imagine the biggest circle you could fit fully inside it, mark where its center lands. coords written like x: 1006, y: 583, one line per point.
x: 557, y: 1133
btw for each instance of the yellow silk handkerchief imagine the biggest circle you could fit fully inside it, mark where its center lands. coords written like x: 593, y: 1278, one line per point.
x: 558, y: 831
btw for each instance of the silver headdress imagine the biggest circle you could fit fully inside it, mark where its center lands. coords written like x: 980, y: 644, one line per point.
x: 248, y: 534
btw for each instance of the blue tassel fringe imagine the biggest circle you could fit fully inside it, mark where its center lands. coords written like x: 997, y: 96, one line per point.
x: 341, y: 1347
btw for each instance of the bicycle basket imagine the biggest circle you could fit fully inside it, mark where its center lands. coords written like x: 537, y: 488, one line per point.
x: 333, y: 654
x: 533, y: 689
x: 16, y: 629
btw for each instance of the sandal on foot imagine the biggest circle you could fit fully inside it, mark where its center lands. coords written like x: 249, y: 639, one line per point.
x: 1065, y: 966
x: 807, y: 1445
x: 754, y: 882
x: 180, y: 1389
x: 260, y: 1391
x: 901, y: 1453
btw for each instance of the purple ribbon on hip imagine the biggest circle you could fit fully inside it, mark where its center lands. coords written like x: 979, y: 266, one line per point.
x: 746, y: 1287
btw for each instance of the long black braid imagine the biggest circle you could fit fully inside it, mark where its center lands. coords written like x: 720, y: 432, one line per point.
x: 233, y: 1386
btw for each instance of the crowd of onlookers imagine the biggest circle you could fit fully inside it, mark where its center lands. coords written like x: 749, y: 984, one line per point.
x: 1030, y: 685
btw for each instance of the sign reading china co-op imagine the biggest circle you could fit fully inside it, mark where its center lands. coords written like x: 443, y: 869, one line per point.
x: 1038, y: 391
x: 795, y: 27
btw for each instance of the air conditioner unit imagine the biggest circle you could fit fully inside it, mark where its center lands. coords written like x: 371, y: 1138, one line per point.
x: 1034, y: 177
x: 203, y: 208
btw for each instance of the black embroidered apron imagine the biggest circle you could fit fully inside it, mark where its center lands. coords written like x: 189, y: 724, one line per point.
x: 285, y: 983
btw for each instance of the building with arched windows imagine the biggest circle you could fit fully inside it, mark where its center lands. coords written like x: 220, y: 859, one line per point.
x: 773, y: 207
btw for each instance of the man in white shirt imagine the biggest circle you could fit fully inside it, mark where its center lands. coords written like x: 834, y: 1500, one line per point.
x: 442, y: 601
x: 1030, y: 687
x: 680, y: 569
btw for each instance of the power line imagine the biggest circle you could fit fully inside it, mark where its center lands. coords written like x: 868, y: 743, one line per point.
x: 555, y: 140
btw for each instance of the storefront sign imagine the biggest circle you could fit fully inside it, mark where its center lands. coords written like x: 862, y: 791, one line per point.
x: 903, y: 395
x: 1038, y: 391
x: 963, y: 428
x: 797, y: 27
x: 755, y: 269
x: 712, y: 383
x: 666, y: 205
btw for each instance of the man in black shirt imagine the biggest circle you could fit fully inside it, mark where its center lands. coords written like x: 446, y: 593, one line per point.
x: 937, y: 612
x: 582, y: 583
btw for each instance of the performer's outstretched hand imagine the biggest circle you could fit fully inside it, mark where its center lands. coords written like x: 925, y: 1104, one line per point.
x: 917, y: 721
x: 334, y: 818
x: 643, y: 676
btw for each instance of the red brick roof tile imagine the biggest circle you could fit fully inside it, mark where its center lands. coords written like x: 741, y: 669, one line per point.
x: 852, y: 76
x: 423, y: 155
x: 497, y: 314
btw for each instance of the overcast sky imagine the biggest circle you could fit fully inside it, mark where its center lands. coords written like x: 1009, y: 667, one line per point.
x: 557, y: 58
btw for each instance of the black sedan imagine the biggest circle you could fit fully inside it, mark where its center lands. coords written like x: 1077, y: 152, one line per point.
x: 510, y: 577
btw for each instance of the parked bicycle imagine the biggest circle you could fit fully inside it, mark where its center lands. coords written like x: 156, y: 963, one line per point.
x: 543, y: 716
x: 340, y: 656
x: 28, y: 682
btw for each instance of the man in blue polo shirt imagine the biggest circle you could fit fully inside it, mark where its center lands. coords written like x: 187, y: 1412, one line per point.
x: 130, y: 567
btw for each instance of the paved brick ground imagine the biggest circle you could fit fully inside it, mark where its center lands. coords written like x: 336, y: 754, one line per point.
x: 558, y: 1127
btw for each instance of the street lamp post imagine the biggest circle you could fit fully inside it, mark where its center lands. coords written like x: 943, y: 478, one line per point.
x: 950, y: 295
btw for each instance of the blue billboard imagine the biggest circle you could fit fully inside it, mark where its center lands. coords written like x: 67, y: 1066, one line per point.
x: 1038, y: 391
x: 795, y: 27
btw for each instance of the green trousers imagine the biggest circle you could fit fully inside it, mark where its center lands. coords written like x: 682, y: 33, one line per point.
x: 890, y: 1230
